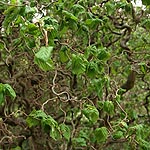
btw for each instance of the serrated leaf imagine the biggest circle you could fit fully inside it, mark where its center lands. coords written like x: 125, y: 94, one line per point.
x: 103, y: 54
x: 10, y: 15
x: 92, y: 69
x: 101, y: 134
x: 9, y: 91
x: 69, y: 15
x: 31, y: 28
x: 78, y: 64
x: 44, y: 53
x: 45, y: 66
x: 109, y: 107
x: 110, y: 7
x: 55, y: 134
x: 63, y: 54
x: 91, y: 113
x: 78, y: 9
x: 34, y: 118
x: 32, y: 122
x: 43, y: 60
x: 117, y: 135
x: 48, y: 120
x: 65, y: 130
x: 79, y: 141
x: 97, y: 86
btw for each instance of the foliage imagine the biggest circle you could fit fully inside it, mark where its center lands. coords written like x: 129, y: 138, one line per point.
x: 64, y: 70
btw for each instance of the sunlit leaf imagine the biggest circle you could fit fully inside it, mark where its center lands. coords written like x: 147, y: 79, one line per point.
x: 9, y: 91
x: 32, y: 122
x: 101, y: 134
x: 109, y: 107
x: 43, y: 58
x: 55, y: 133
x: 117, y: 135
x: 69, y: 15
x: 65, y: 131
x: 91, y: 113
x: 103, y: 54
x: 92, y: 22
x: 92, y: 69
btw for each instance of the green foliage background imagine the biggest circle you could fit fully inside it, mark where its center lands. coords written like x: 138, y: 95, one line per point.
x: 62, y: 64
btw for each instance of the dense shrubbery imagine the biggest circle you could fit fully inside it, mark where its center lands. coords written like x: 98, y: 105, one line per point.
x: 74, y: 75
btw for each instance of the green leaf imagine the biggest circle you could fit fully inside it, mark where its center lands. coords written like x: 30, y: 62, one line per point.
x: 16, y: 148
x: 109, y: 107
x: 50, y: 21
x: 92, y: 69
x: 93, y: 22
x: 43, y: 60
x: 91, y: 113
x: 32, y: 122
x: 10, y: 15
x: 32, y: 29
x: 63, y: 54
x: 100, y: 104
x: 69, y: 15
x: 38, y: 114
x: 78, y: 64
x: 2, y: 88
x: 45, y: 66
x: 97, y: 86
x: 34, y: 118
x: 118, y: 98
x: 103, y: 54
x: 29, y: 10
x: 9, y: 91
x: 101, y: 134
x: 144, y: 144
x: 137, y: 129
x: 123, y: 124
x: 38, y: 117
x: 143, y: 67
x: 117, y: 135
x: 48, y: 120
x: 55, y: 133
x: 65, y: 130
x: 79, y: 141
x: 110, y: 7
x: 146, y: 2
x: 77, y: 9
x: 146, y: 23
x: 2, y: 99
x: 44, y: 53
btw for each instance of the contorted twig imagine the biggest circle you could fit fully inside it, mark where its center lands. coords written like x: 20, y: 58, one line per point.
x: 58, y: 94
